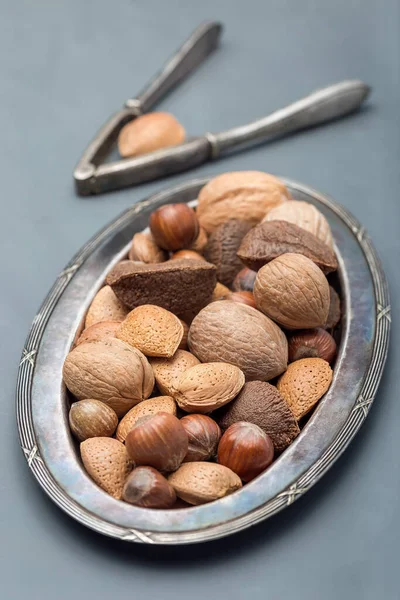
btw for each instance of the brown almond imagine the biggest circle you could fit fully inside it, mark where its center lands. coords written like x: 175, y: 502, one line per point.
x: 111, y: 371
x: 104, y: 330
x: 144, y: 249
x: 148, y: 133
x: 107, y: 462
x: 260, y: 403
x: 304, y: 215
x: 168, y: 370
x: 149, y: 407
x: 205, y: 387
x: 243, y: 195
x: 153, y: 330
x: 274, y: 238
x: 180, y: 286
x: 201, y: 482
x: 105, y: 306
x: 304, y: 383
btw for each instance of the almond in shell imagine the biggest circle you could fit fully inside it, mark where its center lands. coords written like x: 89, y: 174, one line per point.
x: 168, y: 370
x: 105, y: 306
x: 107, y: 462
x: 149, y: 407
x: 150, y: 132
x: 201, y: 482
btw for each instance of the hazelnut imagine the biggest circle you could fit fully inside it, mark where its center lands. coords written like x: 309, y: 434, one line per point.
x: 149, y: 132
x: 152, y: 330
x: 234, y: 333
x: 293, y: 291
x: 201, y: 482
x: 244, y: 280
x: 149, y: 407
x: 204, y: 434
x: 220, y: 291
x: 205, y: 387
x: 260, y: 403
x: 144, y: 249
x: 174, y: 226
x: 246, y: 450
x: 304, y: 383
x: 92, y: 418
x: 104, y: 330
x: 312, y: 343
x: 107, y: 462
x: 146, y: 487
x: 187, y: 255
x: 242, y: 298
x: 158, y: 441
x: 222, y: 247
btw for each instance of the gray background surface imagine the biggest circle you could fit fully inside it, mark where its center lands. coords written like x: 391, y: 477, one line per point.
x: 64, y: 67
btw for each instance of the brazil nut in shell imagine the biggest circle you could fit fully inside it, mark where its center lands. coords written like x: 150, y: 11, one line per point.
x: 238, y: 334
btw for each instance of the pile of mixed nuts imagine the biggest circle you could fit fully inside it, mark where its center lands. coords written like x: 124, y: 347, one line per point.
x: 181, y: 383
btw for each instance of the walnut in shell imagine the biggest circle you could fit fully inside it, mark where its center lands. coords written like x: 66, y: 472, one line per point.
x: 180, y: 286
x: 243, y: 195
x: 107, y: 462
x: 270, y: 239
x: 153, y: 330
x: 105, y: 306
x: 222, y: 247
x: 304, y: 383
x: 304, y: 215
x: 201, y: 482
x: 235, y: 333
x: 111, y: 371
x: 168, y: 370
x: 205, y: 387
x: 260, y: 403
x: 293, y: 291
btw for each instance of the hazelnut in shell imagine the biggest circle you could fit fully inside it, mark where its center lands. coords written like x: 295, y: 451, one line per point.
x: 146, y: 487
x: 246, y: 450
x: 244, y: 280
x: 144, y: 249
x: 158, y: 441
x: 174, y: 226
x: 311, y: 343
x: 242, y: 298
x: 92, y: 418
x: 204, y: 435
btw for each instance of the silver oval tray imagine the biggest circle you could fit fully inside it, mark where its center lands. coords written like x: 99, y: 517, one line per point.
x: 42, y: 402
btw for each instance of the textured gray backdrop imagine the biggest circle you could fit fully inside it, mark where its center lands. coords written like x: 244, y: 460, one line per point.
x: 64, y: 67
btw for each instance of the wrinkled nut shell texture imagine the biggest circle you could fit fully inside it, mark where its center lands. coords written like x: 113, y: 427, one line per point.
x: 293, y: 291
x: 168, y: 370
x: 222, y: 247
x: 201, y: 482
x: 244, y: 195
x: 105, y: 307
x: 304, y: 215
x: 152, y: 330
x: 99, y: 331
x: 149, y: 407
x: 110, y: 371
x: 274, y: 238
x: 205, y: 387
x: 240, y: 335
x: 260, y: 403
x: 150, y: 132
x: 304, y: 383
x: 107, y: 462
x: 177, y: 285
